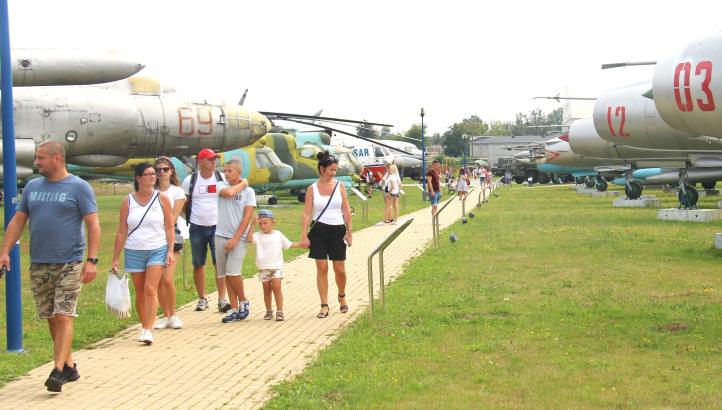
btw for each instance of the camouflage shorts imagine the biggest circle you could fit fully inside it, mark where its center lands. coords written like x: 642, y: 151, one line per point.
x: 56, y: 287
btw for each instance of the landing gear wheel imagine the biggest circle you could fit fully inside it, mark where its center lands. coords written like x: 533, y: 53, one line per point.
x: 634, y: 189
x: 690, y: 199
x: 589, y: 183
x: 519, y: 179
x: 272, y: 200
x: 302, y: 197
x: 543, y: 178
x: 709, y: 185
x: 602, y: 185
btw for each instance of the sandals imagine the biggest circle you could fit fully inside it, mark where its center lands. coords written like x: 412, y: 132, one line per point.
x: 269, y: 315
x: 323, y: 314
x: 343, y: 308
x: 279, y: 316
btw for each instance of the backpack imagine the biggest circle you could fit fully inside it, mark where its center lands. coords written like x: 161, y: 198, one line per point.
x: 188, y: 204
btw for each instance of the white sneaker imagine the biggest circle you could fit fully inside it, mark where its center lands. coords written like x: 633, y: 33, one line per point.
x: 146, y: 337
x: 162, y: 323
x: 174, y: 322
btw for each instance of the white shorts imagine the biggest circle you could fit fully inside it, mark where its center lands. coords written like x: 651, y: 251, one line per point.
x: 229, y: 263
x: 265, y: 275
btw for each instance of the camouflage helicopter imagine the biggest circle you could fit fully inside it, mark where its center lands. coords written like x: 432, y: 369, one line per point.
x: 299, y: 151
x: 261, y: 167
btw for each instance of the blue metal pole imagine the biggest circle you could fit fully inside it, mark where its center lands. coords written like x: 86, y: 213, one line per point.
x: 14, y: 306
x: 423, y: 159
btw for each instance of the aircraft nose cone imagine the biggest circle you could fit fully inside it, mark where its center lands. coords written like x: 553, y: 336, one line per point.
x: 281, y: 173
x: 260, y: 126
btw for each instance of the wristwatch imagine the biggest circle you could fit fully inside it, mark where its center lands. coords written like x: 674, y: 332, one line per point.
x: 94, y: 261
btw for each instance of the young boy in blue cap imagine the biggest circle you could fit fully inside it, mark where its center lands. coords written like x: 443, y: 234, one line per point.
x: 269, y: 260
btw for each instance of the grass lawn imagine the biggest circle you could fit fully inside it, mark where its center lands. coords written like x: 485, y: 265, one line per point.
x: 550, y: 299
x: 95, y: 324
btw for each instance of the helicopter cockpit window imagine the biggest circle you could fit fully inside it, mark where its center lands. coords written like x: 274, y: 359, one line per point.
x: 262, y: 160
x: 379, y: 152
x: 307, y: 153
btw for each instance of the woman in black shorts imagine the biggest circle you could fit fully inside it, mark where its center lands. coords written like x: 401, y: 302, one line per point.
x: 328, y: 214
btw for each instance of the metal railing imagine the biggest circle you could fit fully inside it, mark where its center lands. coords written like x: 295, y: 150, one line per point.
x: 435, y: 222
x: 380, y: 250
x: 364, y: 204
x: 463, y: 201
x: 482, y: 195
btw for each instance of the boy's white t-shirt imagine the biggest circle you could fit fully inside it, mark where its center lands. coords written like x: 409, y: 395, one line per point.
x: 269, y: 249
x: 204, y: 208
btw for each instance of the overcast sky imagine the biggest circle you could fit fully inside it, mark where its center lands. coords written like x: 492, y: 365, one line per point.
x: 376, y: 60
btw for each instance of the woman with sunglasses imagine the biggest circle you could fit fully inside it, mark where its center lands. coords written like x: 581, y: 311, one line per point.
x: 167, y: 183
x: 145, y: 231
x: 328, y: 213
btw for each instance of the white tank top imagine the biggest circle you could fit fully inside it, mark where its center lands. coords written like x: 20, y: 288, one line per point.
x: 333, y: 214
x: 151, y: 232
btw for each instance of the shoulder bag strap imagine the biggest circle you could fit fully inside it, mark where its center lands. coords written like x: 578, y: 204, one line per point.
x: 146, y: 213
x: 313, y: 223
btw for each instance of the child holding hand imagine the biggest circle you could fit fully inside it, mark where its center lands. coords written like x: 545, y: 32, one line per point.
x: 269, y: 260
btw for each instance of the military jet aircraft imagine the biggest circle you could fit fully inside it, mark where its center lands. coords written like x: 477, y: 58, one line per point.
x: 45, y: 67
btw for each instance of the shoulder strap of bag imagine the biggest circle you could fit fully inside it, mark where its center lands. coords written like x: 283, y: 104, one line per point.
x: 188, y: 203
x: 313, y: 223
x: 146, y: 212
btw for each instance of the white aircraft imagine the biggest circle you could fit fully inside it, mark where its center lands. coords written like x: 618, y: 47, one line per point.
x: 378, y: 152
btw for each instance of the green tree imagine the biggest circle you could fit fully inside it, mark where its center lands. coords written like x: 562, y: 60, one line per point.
x: 453, y: 138
x: 413, y: 135
x: 535, y: 122
x: 498, y: 128
x: 366, y: 130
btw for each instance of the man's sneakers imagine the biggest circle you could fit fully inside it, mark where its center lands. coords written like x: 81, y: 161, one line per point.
x: 55, y: 381
x: 232, y: 316
x: 223, y: 305
x: 71, y: 373
x: 172, y: 322
x: 244, y: 309
x: 202, y: 304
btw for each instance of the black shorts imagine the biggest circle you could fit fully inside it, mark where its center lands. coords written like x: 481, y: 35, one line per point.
x: 327, y: 242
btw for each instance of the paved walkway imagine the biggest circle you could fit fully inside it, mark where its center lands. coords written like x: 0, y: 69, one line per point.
x: 211, y: 365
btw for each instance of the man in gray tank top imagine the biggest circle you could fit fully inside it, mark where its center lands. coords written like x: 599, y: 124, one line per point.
x: 57, y: 205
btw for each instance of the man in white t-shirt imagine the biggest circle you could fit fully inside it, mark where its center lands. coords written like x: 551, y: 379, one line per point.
x: 203, y: 203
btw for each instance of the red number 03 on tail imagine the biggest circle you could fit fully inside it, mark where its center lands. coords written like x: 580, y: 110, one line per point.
x: 683, y: 88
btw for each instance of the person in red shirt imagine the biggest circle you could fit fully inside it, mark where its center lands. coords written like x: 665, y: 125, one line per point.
x: 432, y: 183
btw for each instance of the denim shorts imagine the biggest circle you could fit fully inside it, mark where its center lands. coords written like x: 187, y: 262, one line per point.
x: 202, y: 238
x: 435, y: 198
x: 137, y: 261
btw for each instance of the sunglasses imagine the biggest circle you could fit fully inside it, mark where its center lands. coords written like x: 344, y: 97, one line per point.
x: 148, y: 174
x: 329, y: 159
x: 162, y: 169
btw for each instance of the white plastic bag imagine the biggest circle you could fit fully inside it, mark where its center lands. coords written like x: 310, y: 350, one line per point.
x: 117, y: 295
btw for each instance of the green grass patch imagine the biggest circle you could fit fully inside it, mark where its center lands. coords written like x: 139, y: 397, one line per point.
x: 95, y: 324
x: 550, y: 299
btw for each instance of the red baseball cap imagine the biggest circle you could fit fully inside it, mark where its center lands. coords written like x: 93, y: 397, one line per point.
x: 207, y: 153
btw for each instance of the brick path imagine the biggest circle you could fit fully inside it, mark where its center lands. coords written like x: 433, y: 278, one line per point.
x: 212, y: 365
